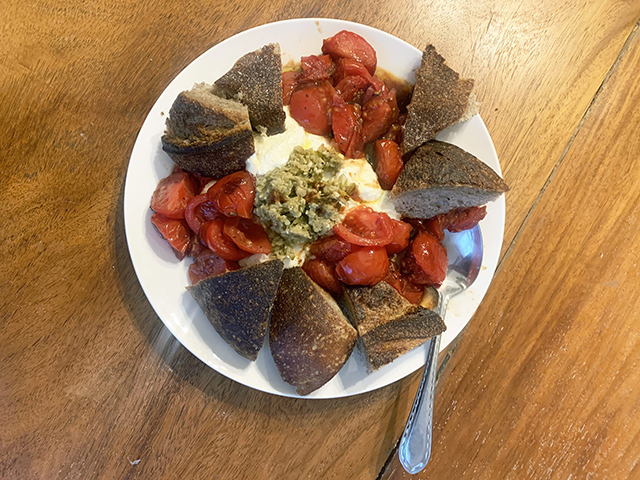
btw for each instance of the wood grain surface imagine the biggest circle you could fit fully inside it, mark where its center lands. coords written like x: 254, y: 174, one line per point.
x: 543, y: 383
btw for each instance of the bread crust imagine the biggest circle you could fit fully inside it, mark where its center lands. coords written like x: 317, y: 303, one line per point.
x: 309, y: 336
x: 440, y: 99
x: 240, y: 318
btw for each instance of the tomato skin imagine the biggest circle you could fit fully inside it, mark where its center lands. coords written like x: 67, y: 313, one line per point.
x: 172, y: 195
x: 411, y: 291
x: 332, y: 248
x: 401, y: 237
x: 175, y: 231
x: 310, y: 106
x: 347, y: 67
x: 379, y: 114
x: 351, y: 88
x: 234, y: 194
x: 346, y: 44
x: 324, y: 274
x: 347, y: 128
x: 430, y: 256
x: 219, y: 243
x: 199, y: 210
x: 316, y: 67
x: 366, y: 266
x: 289, y: 83
x: 208, y: 264
x: 247, y: 235
x: 464, y: 218
x: 365, y: 227
x: 389, y: 163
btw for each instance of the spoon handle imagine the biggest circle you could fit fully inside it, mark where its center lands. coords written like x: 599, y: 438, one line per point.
x: 415, y: 444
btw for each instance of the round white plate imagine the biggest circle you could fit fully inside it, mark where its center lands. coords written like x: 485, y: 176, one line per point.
x: 164, y: 278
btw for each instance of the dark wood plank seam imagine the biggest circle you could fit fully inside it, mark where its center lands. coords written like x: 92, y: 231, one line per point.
x: 605, y: 80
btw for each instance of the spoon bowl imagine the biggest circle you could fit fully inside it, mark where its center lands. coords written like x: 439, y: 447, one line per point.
x: 464, y: 254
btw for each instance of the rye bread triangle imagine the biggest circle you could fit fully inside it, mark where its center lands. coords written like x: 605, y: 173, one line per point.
x: 309, y: 336
x: 238, y: 304
x: 388, y: 324
x: 256, y: 81
x: 208, y: 135
x: 440, y: 99
x: 440, y: 177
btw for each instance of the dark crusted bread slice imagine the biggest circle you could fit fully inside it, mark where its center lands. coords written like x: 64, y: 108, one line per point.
x: 208, y: 135
x: 309, y: 336
x: 388, y: 325
x: 240, y: 318
x: 256, y: 81
x: 440, y: 99
x: 440, y: 177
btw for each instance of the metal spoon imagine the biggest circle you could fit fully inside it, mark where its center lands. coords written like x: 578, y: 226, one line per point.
x: 464, y: 252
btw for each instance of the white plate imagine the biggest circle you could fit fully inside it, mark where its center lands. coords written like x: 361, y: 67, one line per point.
x: 163, y: 277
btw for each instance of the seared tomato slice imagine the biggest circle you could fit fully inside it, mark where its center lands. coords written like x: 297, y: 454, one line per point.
x: 316, y: 67
x: 173, y: 194
x: 351, y: 88
x: 430, y: 256
x: 199, y: 210
x: 346, y: 44
x: 389, y: 163
x: 401, y: 236
x: 332, y: 248
x: 310, y: 106
x: 347, y: 128
x: 365, y: 227
x: 208, y: 264
x: 234, y: 194
x: 464, y: 218
x: 289, y: 83
x: 347, y: 67
x: 324, y: 274
x: 247, y: 234
x: 174, y: 231
x: 219, y: 243
x: 366, y: 266
x: 405, y: 287
x: 379, y: 114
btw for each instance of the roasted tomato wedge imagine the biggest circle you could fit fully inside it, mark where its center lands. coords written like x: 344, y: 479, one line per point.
x: 347, y: 128
x: 365, y: 227
x: 388, y: 163
x: 347, y: 67
x: 333, y: 249
x: 405, y: 287
x: 310, y: 106
x: 208, y: 264
x: 173, y: 194
x: 464, y: 218
x: 174, y: 231
x: 199, y: 210
x: 366, y: 266
x: 401, y: 236
x: 351, y: 88
x: 430, y: 256
x: 234, y: 194
x: 323, y: 273
x: 379, y: 114
x: 346, y: 44
x: 212, y: 232
x: 316, y: 67
x: 289, y: 82
x: 247, y: 234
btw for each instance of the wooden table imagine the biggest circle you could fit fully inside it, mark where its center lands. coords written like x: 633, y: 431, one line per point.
x: 544, y: 382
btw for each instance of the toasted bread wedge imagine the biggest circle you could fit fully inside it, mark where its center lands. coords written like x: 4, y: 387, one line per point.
x: 440, y: 99
x: 256, y: 81
x: 439, y: 177
x: 388, y: 325
x: 309, y: 336
x: 241, y: 318
x: 208, y: 135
